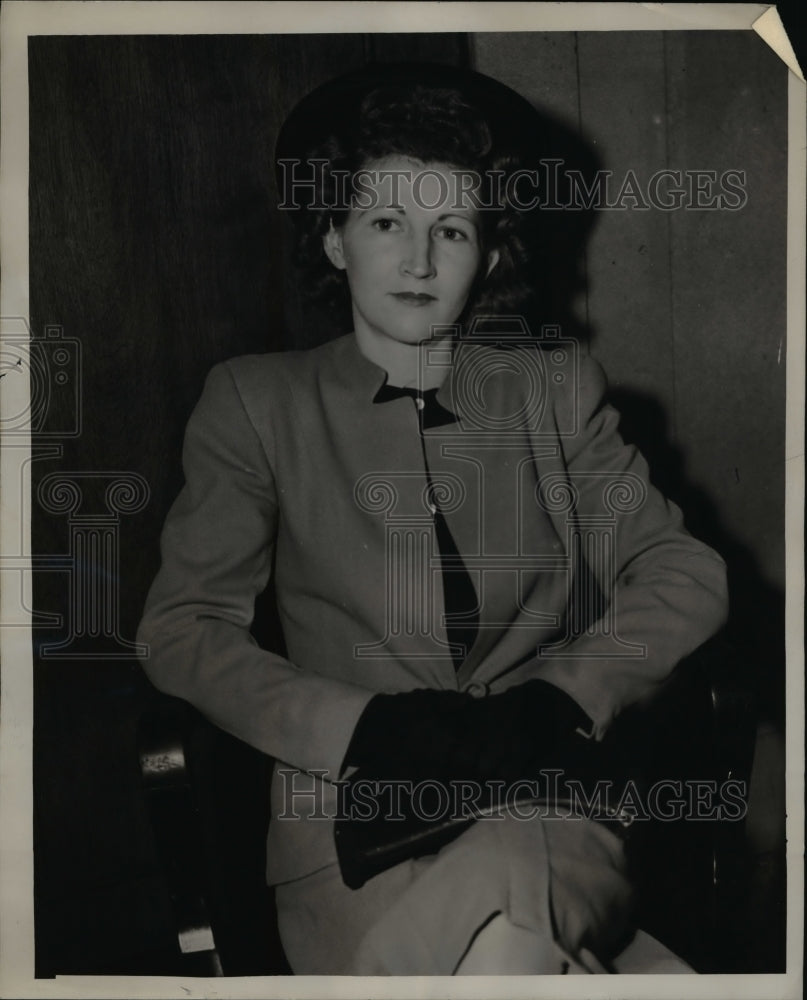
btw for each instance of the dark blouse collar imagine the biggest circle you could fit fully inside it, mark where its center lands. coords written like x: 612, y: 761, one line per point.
x: 367, y: 378
x: 433, y: 413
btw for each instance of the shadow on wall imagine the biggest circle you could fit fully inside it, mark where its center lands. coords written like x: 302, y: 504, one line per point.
x: 556, y: 242
x: 756, y: 624
x: 756, y: 630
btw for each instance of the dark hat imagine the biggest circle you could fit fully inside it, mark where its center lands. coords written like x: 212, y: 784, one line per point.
x: 518, y: 130
x: 333, y: 108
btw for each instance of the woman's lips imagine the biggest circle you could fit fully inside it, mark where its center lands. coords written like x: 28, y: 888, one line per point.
x: 414, y: 298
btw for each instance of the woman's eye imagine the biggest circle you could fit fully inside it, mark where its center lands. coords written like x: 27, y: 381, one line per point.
x: 451, y: 234
x: 385, y: 225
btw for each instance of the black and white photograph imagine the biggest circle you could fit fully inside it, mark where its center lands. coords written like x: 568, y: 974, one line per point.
x: 402, y: 464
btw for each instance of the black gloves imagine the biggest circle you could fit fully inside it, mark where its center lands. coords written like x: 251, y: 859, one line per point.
x: 450, y: 735
x: 405, y: 739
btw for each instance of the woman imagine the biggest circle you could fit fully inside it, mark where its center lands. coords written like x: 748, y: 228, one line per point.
x: 420, y: 491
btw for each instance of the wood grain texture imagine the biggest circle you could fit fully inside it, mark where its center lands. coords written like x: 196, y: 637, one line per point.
x: 685, y: 308
x: 730, y: 282
x: 540, y: 65
x: 628, y: 256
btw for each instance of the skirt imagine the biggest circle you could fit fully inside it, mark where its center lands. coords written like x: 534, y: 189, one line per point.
x: 507, y: 896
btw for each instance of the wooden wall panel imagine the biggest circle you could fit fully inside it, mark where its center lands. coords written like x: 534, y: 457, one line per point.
x: 729, y: 283
x: 685, y: 308
x: 622, y: 114
x: 541, y: 65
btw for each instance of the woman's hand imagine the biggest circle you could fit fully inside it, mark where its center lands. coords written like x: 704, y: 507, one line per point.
x: 591, y: 898
x: 452, y: 735
x: 414, y: 734
x: 443, y: 736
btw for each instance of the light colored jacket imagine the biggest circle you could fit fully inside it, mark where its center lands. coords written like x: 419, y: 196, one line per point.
x: 291, y: 468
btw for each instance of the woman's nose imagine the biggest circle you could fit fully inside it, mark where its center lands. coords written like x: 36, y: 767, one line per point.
x: 417, y: 259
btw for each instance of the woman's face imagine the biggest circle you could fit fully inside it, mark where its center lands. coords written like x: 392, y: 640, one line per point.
x: 410, y: 248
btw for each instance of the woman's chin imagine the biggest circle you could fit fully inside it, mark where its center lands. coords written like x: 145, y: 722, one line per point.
x: 417, y: 335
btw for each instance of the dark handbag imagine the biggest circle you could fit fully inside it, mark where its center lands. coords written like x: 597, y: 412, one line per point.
x: 367, y: 844
x: 381, y: 822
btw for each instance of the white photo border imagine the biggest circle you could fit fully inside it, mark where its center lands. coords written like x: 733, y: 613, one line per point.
x: 21, y: 20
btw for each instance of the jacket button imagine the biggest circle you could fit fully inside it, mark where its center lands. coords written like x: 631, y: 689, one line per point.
x: 478, y: 689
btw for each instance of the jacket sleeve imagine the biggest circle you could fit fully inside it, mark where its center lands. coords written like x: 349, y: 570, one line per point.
x: 666, y: 590
x: 217, y: 549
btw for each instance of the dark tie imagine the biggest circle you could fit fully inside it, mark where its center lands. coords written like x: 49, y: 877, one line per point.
x: 462, y: 616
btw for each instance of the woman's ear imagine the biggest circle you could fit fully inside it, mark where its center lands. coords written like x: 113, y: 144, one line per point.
x: 493, y: 260
x: 332, y: 244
